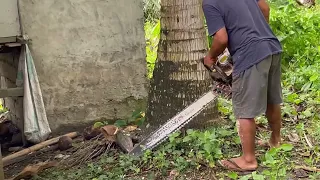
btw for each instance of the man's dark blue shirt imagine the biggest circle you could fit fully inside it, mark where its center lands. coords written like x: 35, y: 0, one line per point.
x: 250, y: 38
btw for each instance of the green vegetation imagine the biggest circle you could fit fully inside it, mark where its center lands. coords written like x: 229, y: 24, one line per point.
x: 197, y: 151
x: 152, y: 30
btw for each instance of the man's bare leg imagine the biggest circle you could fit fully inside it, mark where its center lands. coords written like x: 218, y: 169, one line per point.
x: 247, y: 132
x: 274, y: 119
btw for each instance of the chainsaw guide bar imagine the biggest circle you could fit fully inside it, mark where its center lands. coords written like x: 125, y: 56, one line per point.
x: 221, y: 74
x: 174, y: 124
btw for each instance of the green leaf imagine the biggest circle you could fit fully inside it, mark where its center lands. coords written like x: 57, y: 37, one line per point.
x: 224, y: 132
x: 246, y: 177
x: 292, y: 97
x: 120, y: 123
x: 176, y: 134
x: 140, y: 121
x: 306, y: 86
x: 307, y: 113
x: 286, y: 147
x: 272, y: 151
x: 297, y: 101
x: 207, y: 147
x: 190, y: 131
x: 233, y: 175
x: 98, y: 125
x: 237, y: 140
x: 187, y: 139
x: 314, y: 77
x: 109, y: 160
x: 282, y: 171
x: 256, y: 176
x: 136, y: 114
x: 269, y: 158
x: 266, y: 172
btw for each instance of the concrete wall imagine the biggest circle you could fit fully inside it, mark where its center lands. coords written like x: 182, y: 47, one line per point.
x: 9, y: 19
x: 89, y: 55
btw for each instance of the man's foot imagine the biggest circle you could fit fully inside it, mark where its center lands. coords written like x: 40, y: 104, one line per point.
x: 275, y: 141
x: 269, y: 144
x: 239, y: 164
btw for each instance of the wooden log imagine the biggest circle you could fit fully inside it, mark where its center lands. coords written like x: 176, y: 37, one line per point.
x: 33, y: 170
x: 22, y: 158
x: 36, y: 147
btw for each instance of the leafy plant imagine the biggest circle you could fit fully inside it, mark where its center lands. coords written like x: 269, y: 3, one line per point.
x: 277, y: 160
x: 152, y: 35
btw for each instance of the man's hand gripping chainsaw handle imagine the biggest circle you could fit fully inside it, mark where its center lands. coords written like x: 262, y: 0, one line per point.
x: 221, y: 71
x: 221, y: 74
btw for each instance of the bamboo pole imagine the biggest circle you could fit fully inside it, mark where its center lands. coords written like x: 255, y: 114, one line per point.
x: 36, y: 147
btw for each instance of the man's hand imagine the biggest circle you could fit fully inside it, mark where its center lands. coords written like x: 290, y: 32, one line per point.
x: 209, y: 61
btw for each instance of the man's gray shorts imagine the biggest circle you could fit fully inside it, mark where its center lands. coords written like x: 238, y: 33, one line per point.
x: 256, y: 87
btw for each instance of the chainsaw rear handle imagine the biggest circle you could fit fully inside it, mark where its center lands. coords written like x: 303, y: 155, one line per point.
x: 217, y: 68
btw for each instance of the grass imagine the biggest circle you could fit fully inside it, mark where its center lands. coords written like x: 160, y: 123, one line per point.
x: 195, y: 153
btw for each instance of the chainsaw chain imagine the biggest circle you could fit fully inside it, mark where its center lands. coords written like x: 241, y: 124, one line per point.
x: 223, y: 90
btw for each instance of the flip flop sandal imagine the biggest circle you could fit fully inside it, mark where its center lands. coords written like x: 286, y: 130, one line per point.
x: 237, y: 167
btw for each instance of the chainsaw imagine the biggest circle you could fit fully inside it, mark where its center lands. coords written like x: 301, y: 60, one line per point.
x: 221, y: 74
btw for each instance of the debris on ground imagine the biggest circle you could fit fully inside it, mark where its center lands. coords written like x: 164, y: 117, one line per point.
x: 109, y: 132
x: 61, y: 156
x: 32, y: 170
x: 90, y: 132
x: 64, y: 143
x: 87, y: 151
x: 10, y: 134
x: 99, y: 140
x: 70, y: 150
x: 124, y: 141
x: 6, y: 160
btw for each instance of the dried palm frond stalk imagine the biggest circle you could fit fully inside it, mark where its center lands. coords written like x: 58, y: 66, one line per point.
x: 87, y: 152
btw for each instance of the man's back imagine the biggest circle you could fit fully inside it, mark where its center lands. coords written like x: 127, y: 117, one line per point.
x: 250, y: 38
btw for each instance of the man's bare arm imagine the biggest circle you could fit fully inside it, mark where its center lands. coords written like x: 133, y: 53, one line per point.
x: 220, y: 42
x: 265, y: 9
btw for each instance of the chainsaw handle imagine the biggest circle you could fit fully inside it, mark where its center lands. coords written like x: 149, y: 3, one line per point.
x: 222, y: 73
x: 207, y: 67
x: 217, y: 68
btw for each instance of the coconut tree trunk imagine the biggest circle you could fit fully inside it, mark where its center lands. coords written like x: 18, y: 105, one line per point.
x: 179, y: 78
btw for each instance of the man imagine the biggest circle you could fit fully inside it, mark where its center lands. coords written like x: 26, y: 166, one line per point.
x: 242, y: 27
